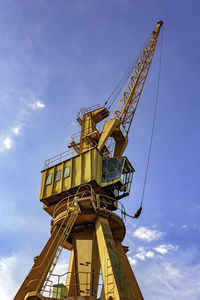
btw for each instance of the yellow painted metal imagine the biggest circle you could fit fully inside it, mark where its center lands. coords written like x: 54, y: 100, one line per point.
x: 83, y: 264
x: 31, y: 282
x: 126, y: 107
x: 89, y: 133
x: 95, y: 267
x: 95, y: 247
x: 128, y: 272
x: 107, y: 131
x: 43, y: 263
x: 87, y: 265
x: 115, y: 284
x: 83, y: 168
x: 121, y: 120
x: 71, y: 277
x: 86, y: 168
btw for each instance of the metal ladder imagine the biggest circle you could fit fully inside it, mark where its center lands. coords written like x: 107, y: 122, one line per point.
x: 72, y: 218
x: 109, y: 279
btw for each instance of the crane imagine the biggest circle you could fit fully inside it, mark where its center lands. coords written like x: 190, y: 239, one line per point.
x: 119, y: 124
x: 81, y: 195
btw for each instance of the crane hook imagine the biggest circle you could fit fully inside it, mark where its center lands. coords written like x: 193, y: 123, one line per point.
x: 138, y: 213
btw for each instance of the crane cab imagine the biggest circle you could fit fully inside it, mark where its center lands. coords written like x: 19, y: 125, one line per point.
x: 107, y: 176
x: 117, y: 175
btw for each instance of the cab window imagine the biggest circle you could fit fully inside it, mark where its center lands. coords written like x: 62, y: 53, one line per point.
x: 66, y: 172
x: 57, y: 175
x: 48, y: 179
x: 112, y: 169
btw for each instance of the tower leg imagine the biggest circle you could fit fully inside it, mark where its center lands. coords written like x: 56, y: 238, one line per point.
x: 71, y: 277
x: 115, y: 285
x: 95, y: 267
x: 86, y: 262
x: 127, y: 270
x: 42, y: 264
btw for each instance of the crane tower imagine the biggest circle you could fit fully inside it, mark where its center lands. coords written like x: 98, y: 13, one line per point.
x: 81, y: 194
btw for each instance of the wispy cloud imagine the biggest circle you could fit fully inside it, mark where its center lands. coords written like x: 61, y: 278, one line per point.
x: 23, y: 114
x: 146, y: 234
x: 171, y: 278
x: 16, y: 130
x: 7, y: 143
x: 141, y: 255
x: 9, y: 282
x: 184, y: 226
x: 165, y: 248
x: 132, y: 260
x: 150, y: 254
x: 37, y: 105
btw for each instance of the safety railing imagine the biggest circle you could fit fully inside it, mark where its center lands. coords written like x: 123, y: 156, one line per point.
x: 76, y: 136
x: 84, y: 110
x: 58, y: 287
x: 84, y: 190
x: 69, y: 153
x: 59, y: 158
x: 67, y: 203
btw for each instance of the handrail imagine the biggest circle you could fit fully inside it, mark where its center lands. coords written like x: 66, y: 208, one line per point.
x: 84, y: 110
x: 58, y: 158
x: 77, y: 194
x: 46, y: 255
x: 60, y: 280
x: 81, y: 194
x: 64, y: 236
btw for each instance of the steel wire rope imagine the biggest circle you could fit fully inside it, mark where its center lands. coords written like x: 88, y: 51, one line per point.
x: 111, y: 99
x: 138, y: 212
x: 154, y: 119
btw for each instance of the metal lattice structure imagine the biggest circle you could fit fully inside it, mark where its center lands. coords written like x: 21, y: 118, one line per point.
x: 128, y: 102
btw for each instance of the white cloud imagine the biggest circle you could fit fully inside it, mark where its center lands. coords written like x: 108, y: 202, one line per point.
x: 146, y: 234
x: 165, y: 248
x: 7, y: 143
x: 23, y: 116
x: 170, y: 278
x: 150, y: 254
x: 7, y: 283
x: 20, y: 264
x: 141, y: 249
x: 37, y: 105
x: 132, y: 260
x: 174, y: 276
x: 9, y: 267
x: 16, y: 130
x: 61, y: 268
x: 141, y: 255
x: 174, y: 281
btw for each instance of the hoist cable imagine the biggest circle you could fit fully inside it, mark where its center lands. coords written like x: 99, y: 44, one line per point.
x: 120, y: 88
x: 154, y: 120
x: 120, y: 83
x: 138, y: 212
x: 111, y: 99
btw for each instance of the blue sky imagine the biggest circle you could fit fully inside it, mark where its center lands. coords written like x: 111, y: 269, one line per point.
x: 59, y: 56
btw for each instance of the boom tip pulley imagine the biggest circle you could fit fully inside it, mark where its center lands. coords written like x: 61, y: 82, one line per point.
x: 160, y: 22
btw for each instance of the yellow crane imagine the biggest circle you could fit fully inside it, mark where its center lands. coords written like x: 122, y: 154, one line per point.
x: 81, y: 195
